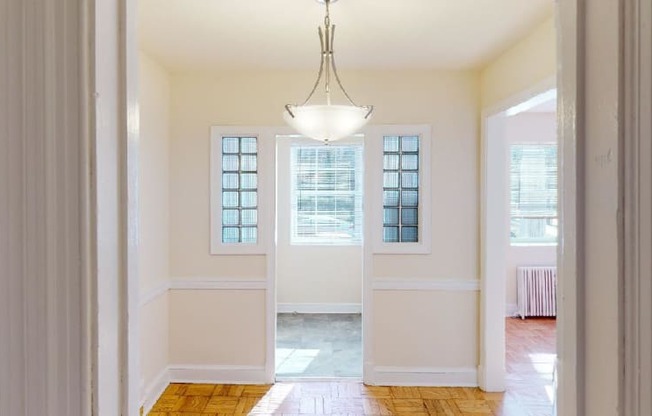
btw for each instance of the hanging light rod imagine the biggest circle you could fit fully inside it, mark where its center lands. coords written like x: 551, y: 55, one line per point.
x: 327, y: 122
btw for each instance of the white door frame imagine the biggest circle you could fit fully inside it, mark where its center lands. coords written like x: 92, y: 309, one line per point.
x: 272, y: 134
x: 571, y: 41
x: 494, y: 244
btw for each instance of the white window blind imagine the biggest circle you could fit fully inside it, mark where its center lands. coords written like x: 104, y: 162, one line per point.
x: 533, y: 193
x: 327, y: 186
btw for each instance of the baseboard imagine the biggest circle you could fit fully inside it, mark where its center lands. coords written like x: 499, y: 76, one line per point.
x: 217, y: 374
x: 319, y: 308
x: 511, y: 310
x: 154, y: 390
x: 426, y: 376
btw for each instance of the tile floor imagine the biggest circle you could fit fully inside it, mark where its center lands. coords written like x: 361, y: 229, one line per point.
x: 530, y: 360
x: 318, y: 346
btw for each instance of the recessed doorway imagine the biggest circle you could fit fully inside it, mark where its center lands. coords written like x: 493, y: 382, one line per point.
x: 319, y: 255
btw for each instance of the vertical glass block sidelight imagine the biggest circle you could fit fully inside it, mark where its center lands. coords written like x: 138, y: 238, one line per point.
x: 239, y: 190
x: 401, y: 189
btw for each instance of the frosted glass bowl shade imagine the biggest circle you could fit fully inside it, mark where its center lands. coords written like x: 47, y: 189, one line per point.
x: 327, y: 122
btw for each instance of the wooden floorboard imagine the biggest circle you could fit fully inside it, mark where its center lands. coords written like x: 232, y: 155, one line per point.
x: 530, y: 362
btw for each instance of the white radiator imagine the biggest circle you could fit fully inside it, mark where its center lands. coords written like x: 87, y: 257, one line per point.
x: 537, y: 291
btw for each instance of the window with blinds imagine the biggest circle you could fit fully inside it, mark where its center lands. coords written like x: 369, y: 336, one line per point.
x: 239, y: 190
x: 533, y: 193
x: 327, y: 190
x: 401, y: 189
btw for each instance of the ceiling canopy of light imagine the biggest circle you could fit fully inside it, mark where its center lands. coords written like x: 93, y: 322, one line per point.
x: 327, y: 122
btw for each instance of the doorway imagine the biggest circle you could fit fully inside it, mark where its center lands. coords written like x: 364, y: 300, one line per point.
x: 319, y: 252
x: 520, y: 246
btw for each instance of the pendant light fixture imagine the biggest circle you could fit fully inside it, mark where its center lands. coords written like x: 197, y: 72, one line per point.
x: 327, y: 122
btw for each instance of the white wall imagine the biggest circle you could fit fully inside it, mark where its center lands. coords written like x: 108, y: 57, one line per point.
x: 311, y: 277
x: 527, y: 128
x: 153, y: 223
x: 446, y: 100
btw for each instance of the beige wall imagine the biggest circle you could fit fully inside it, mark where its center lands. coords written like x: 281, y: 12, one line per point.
x: 217, y: 327
x: 531, y: 61
x: 426, y: 329
x: 153, y: 194
x: 446, y: 100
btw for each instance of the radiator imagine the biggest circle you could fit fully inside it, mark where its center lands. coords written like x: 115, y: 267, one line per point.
x: 537, y: 291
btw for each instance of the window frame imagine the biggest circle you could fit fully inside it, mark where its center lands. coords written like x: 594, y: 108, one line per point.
x: 357, y: 140
x: 509, y: 199
x: 374, y: 139
x: 265, y: 139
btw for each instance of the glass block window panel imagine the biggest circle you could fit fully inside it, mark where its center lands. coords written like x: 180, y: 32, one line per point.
x: 533, y: 194
x: 401, y: 189
x: 326, y: 195
x: 239, y: 190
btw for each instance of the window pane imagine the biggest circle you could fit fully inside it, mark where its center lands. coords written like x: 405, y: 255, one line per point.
x: 409, y: 216
x: 248, y: 145
x: 533, y: 193
x: 249, y: 234
x: 230, y: 199
x: 409, y: 144
x: 230, y: 145
x: 410, y: 179
x: 230, y: 181
x: 390, y: 198
x: 230, y: 234
x: 239, y: 190
x: 391, y: 162
x: 390, y: 234
x: 249, y: 180
x: 249, y: 199
x: 410, y: 162
x: 249, y: 217
x: 230, y: 217
x: 391, y: 144
x: 230, y: 163
x: 390, y: 216
x: 409, y: 198
x: 401, y: 189
x: 249, y: 163
x: 326, y: 194
x: 409, y: 234
x: 390, y: 180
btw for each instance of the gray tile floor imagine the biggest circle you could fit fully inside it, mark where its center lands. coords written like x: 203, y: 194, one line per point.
x: 318, y: 345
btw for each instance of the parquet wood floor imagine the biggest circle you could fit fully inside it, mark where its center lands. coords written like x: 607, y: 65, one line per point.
x: 530, y: 359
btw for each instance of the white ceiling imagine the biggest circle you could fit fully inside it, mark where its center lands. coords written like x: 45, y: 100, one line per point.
x: 371, y: 34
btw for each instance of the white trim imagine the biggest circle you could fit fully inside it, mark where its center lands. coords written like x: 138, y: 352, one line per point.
x: 319, y: 308
x: 217, y: 283
x: 154, y: 390
x: 511, y: 310
x: 494, y: 244
x: 448, y: 285
x: 571, y: 45
x: 217, y: 374
x: 265, y: 163
x: 374, y: 186
x: 154, y: 293
x: 426, y: 376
